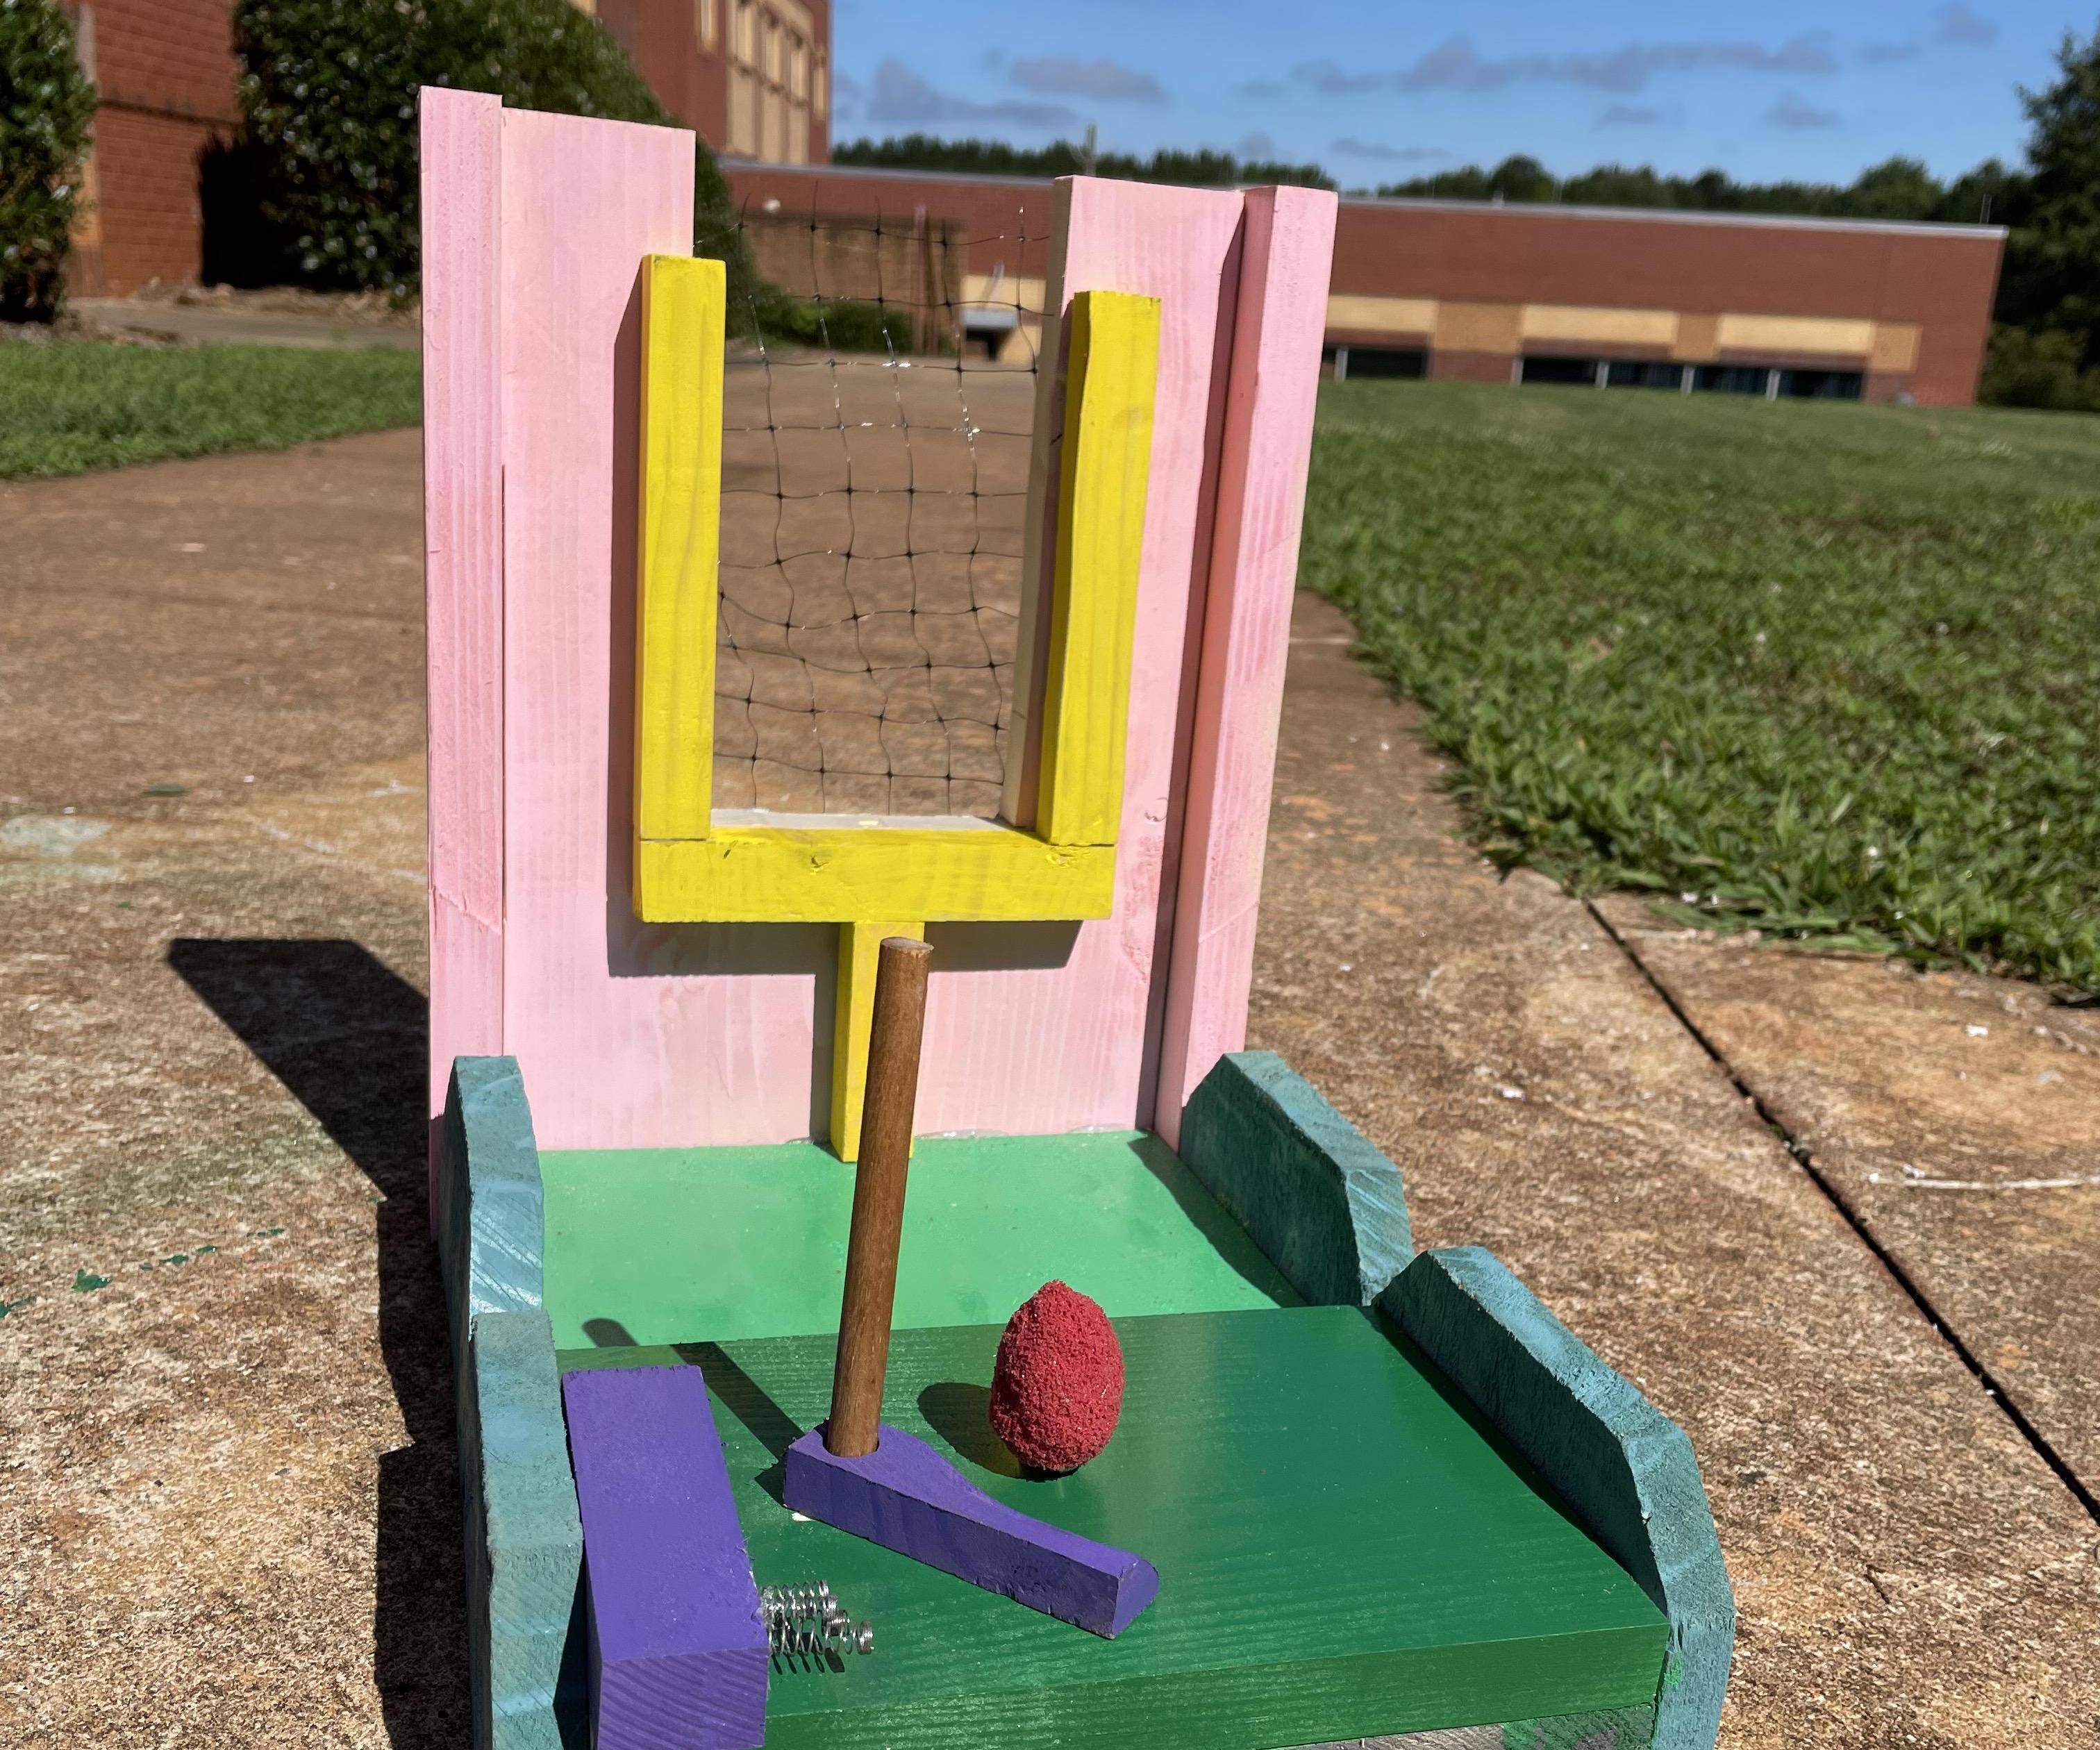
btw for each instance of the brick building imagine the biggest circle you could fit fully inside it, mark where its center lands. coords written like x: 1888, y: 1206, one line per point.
x: 753, y: 77
x: 1696, y: 301
x: 164, y: 74
x: 1518, y: 293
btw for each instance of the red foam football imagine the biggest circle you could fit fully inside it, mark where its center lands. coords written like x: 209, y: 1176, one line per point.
x: 1056, y: 1388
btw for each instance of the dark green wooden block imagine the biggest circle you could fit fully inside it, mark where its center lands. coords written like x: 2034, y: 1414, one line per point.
x: 1344, y: 1551
x: 524, y: 1539
x: 1328, y: 1208
x: 1625, y: 1469
x: 490, y: 1228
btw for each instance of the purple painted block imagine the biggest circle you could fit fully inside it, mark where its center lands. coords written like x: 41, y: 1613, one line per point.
x: 907, y: 1497
x: 677, y: 1651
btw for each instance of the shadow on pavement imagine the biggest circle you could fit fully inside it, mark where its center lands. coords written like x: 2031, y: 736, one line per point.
x: 347, y: 1037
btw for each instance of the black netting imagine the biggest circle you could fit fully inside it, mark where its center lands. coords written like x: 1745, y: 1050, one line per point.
x: 878, y: 402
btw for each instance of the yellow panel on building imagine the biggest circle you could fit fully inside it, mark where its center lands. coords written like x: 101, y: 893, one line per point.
x: 1381, y: 315
x: 1797, y: 334
x: 1599, y: 326
x: 1480, y: 328
x: 1896, y: 346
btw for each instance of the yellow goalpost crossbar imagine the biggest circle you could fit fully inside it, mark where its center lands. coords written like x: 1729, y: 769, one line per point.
x: 690, y: 867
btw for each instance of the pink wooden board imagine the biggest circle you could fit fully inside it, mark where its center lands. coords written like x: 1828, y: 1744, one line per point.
x: 463, y: 570
x: 647, y: 1036
x: 1034, y: 1051
x: 1268, y: 442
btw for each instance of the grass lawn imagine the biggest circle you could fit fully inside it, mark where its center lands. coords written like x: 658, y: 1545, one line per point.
x: 1829, y: 670
x: 66, y: 409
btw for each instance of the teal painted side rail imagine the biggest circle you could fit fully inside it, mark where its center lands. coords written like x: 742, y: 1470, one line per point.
x: 491, y: 1231
x: 1625, y: 1469
x: 1327, y: 1208
x: 524, y: 1538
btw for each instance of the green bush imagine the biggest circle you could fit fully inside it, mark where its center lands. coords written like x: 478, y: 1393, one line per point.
x: 329, y: 89
x: 2039, y: 370
x: 837, y: 325
x: 46, y: 107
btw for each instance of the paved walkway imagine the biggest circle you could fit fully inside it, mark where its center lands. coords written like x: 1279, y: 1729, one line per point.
x: 230, y: 1512
x: 1908, y: 1568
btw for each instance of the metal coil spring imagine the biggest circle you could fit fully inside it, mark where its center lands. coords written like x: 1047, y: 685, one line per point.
x: 803, y: 1621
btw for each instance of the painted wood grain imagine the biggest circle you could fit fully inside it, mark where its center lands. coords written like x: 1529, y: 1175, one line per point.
x: 463, y: 579
x: 906, y: 1496
x: 636, y: 1034
x: 1625, y: 1469
x: 491, y: 1230
x: 1326, y: 1206
x: 1253, y: 565
x: 853, y: 1008
x: 683, y: 306
x: 1344, y: 1550
x: 677, y: 1648
x: 841, y: 874
x: 625, y: 1031
x: 1033, y: 1048
x: 524, y: 1540
x: 1110, y: 375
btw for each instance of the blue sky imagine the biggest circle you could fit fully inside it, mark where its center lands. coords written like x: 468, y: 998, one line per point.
x: 1382, y: 92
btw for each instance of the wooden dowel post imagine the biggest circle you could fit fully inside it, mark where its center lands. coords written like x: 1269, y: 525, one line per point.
x: 878, y: 1204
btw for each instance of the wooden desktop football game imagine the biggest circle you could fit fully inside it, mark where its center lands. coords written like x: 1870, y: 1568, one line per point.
x: 729, y: 1406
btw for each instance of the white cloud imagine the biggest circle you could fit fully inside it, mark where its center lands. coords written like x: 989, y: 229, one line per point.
x: 1349, y: 146
x: 1067, y: 75
x: 902, y: 95
x: 1456, y: 65
x: 1795, y: 114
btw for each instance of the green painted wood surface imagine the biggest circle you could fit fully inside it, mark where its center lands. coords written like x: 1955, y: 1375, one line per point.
x: 1343, y: 1551
x: 1316, y: 1196
x: 1624, y: 1466
x: 668, y: 1245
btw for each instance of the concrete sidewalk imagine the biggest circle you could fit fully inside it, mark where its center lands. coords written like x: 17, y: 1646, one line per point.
x: 1909, y: 1569
x: 231, y: 1515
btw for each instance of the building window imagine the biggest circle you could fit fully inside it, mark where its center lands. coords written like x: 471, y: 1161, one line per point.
x: 774, y: 34
x: 820, y: 95
x: 1821, y: 385
x: 703, y: 23
x: 798, y: 69
x: 743, y: 32
x: 1557, y: 370
x: 1355, y: 364
x: 742, y: 114
x: 1732, y: 379
x: 1644, y: 374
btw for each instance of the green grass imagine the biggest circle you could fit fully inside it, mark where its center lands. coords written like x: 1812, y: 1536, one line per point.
x: 1832, y: 671
x: 67, y: 409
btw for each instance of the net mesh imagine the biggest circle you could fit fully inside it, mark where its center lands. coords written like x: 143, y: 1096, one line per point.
x: 877, y: 417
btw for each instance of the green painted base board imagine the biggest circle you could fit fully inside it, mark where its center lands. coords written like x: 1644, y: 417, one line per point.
x: 1344, y: 1550
x: 653, y: 1246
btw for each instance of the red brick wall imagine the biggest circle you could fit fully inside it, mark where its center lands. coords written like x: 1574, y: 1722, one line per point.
x: 165, y: 73
x: 1943, y: 278
x: 151, y: 225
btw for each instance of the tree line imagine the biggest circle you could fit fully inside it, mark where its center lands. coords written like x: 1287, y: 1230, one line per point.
x: 2045, y: 341
x: 993, y: 157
